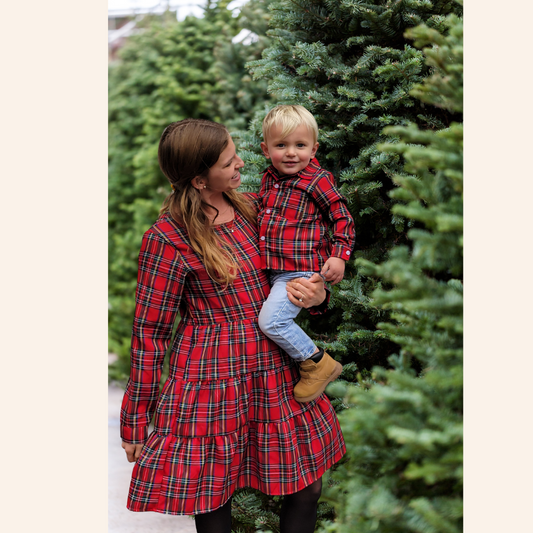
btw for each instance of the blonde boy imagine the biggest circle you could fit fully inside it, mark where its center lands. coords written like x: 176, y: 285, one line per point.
x: 304, y: 228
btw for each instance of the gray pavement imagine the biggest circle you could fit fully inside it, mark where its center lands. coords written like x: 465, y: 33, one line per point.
x: 120, y: 520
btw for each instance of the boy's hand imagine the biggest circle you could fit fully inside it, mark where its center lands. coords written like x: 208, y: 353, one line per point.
x: 333, y: 270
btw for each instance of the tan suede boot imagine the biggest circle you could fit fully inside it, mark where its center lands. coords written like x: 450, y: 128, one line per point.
x: 315, y: 376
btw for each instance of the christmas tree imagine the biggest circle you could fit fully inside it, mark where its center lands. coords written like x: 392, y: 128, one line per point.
x: 404, y: 432
x: 238, y: 95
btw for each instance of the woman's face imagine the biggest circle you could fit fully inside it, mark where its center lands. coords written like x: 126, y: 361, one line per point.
x: 224, y: 175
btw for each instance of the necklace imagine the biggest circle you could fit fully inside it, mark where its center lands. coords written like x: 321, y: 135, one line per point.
x: 232, y: 228
x: 219, y: 215
x: 228, y: 207
x: 221, y: 219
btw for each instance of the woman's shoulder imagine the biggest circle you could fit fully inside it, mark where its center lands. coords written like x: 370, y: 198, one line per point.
x: 166, y: 229
x: 253, y: 199
x: 250, y: 196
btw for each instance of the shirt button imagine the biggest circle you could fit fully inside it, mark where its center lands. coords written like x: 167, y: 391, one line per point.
x: 347, y: 253
x: 268, y: 211
x: 263, y: 238
x: 276, y: 186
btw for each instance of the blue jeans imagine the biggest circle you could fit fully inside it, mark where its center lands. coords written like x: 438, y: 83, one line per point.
x: 277, y: 315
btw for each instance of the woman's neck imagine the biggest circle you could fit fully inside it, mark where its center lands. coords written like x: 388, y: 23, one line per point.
x: 221, y: 203
x: 216, y: 200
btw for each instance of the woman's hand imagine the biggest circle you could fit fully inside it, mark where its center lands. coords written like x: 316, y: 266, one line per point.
x: 305, y: 292
x: 132, y: 451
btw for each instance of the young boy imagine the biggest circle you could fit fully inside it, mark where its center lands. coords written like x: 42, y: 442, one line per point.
x: 304, y: 227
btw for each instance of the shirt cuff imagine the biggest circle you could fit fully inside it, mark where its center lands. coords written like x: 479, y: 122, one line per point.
x: 341, y: 251
x: 134, y: 435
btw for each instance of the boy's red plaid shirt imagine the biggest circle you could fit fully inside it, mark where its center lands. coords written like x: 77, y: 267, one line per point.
x: 304, y: 220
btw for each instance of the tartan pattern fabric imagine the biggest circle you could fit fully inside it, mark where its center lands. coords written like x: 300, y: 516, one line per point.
x: 303, y: 220
x: 226, y: 417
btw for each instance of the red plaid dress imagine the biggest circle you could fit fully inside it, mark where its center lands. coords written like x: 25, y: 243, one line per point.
x: 226, y: 417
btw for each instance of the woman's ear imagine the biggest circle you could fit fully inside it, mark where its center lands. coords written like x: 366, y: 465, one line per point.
x: 198, y: 183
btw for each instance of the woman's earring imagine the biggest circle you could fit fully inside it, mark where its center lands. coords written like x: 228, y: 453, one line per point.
x: 205, y: 186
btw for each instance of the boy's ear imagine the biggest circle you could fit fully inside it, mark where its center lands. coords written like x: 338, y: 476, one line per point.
x: 313, y: 151
x: 264, y: 147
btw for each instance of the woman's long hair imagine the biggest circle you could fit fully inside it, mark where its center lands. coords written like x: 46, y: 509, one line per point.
x: 187, y: 149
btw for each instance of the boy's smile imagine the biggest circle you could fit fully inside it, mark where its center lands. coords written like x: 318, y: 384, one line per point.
x: 292, y: 153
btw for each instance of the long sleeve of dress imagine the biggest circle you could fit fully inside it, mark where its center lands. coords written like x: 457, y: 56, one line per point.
x: 160, y: 285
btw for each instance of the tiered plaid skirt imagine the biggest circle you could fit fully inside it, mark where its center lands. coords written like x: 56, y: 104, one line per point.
x: 212, y: 437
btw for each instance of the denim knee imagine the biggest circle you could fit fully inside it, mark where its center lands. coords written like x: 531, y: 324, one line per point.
x: 266, y: 323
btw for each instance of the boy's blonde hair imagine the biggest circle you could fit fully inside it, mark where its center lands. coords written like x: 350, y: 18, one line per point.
x: 289, y: 117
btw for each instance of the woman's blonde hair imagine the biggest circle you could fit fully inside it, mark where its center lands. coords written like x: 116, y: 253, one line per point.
x: 187, y: 149
x: 289, y: 117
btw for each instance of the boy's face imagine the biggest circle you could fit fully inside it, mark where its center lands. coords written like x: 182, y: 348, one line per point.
x: 292, y: 153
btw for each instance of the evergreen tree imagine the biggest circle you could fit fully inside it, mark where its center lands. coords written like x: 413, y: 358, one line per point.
x: 239, y: 95
x: 404, y: 431
x: 169, y: 71
x: 350, y: 64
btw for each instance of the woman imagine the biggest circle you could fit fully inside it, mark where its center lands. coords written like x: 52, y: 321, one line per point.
x: 226, y: 417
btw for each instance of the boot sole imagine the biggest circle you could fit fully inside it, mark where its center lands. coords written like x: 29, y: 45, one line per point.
x: 336, y: 373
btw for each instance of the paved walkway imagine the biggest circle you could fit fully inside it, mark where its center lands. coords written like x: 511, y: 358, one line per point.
x: 120, y: 520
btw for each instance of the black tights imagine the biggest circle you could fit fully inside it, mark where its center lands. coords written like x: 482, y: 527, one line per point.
x: 298, y: 510
x: 298, y: 513
x: 217, y: 521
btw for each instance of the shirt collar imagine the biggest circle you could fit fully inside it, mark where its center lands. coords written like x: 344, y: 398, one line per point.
x: 306, y: 173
